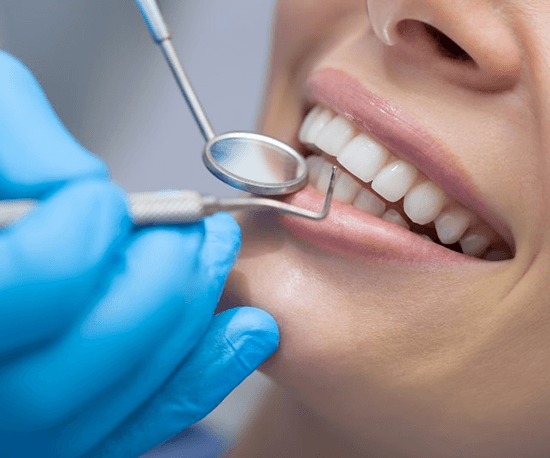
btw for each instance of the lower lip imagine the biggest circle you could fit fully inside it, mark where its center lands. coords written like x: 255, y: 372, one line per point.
x: 348, y: 230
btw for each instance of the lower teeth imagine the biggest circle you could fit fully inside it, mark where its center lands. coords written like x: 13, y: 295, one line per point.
x: 360, y: 195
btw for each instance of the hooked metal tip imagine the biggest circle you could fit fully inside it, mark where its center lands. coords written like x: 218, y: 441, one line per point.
x: 255, y: 202
x: 330, y: 191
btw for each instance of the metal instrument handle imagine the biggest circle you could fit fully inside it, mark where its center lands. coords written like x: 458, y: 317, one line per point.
x: 146, y: 208
x: 161, y: 34
x: 177, y: 207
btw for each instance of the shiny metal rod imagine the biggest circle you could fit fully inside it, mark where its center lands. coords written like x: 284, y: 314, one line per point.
x: 162, y: 36
x: 178, y: 207
x: 187, y: 90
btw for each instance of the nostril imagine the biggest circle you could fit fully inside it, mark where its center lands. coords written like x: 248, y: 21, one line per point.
x: 415, y: 31
x: 445, y: 45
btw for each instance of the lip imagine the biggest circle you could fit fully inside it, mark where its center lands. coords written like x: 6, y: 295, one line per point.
x: 349, y: 230
x: 398, y: 131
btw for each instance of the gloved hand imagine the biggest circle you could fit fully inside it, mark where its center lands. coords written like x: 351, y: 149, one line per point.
x: 108, y: 344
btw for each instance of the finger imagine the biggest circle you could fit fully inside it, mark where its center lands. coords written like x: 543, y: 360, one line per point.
x: 37, y: 153
x: 52, y: 262
x: 152, y: 316
x: 237, y: 342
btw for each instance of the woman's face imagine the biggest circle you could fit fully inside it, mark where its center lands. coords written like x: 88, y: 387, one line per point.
x: 407, y: 344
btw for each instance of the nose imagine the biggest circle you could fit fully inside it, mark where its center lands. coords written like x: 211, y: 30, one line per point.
x: 470, y: 40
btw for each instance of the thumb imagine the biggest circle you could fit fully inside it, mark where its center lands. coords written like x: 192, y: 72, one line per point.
x: 236, y: 343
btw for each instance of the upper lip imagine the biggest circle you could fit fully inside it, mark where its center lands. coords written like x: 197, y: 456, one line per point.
x: 398, y: 131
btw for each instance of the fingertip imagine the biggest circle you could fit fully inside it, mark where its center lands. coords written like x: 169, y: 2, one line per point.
x: 254, y: 333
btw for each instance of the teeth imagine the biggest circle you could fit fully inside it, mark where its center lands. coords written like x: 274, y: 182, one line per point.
x: 324, y: 177
x: 477, y: 240
x: 450, y: 225
x: 369, y: 203
x: 474, y: 244
x: 308, y: 122
x: 366, y: 160
x: 394, y: 180
x: 336, y: 134
x: 424, y: 202
x: 314, y: 166
x: 345, y: 188
x: 394, y: 217
x: 363, y: 157
x: 318, y: 123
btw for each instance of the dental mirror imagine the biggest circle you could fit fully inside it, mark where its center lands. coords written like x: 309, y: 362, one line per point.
x: 247, y: 161
x: 251, y: 162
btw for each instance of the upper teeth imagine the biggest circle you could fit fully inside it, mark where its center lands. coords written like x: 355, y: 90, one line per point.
x: 368, y: 161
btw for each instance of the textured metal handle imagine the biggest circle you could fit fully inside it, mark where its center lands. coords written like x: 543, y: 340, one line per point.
x: 166, y: 207
x: 146, y: 208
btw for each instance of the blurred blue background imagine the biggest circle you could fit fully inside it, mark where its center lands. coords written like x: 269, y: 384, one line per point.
x: 109, y: 83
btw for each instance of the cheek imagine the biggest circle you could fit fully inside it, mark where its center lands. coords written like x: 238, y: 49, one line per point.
x: 342, y: 320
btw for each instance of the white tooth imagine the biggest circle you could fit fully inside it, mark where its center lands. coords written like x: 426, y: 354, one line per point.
x: 496, y: 255
x: 394, y: 180
x: 324, y: 177
x: 424, y: 202
x: 363, y: 157
x: 345, y: 188
x: 314, y: 166
x: 334, y: 136
x: 451, y: 225
x: 474, y: 244
x: 476, y: 240
x: 394, y: 217
x: 369, y: 203
x: 318, y: 125
x: 308, y: 122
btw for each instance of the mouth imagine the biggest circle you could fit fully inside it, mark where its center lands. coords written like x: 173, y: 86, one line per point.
x: 388, y: 185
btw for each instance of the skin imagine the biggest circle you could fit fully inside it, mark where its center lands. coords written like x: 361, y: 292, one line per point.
x: 380, y: 359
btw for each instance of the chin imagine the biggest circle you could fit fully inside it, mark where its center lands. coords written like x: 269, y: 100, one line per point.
x: 402, y: 310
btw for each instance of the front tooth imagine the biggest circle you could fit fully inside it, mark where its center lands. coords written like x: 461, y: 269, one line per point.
x: 334, y: 136
x: 394, y: 180
x: 324, y: 177
x: 308, y: 122
x: 345, y: 188
x: 424, y: 202
x: 394, y: 217
x: 318, y: 124
x: 314, y: 166
x: 363, y: 157
x: 368, y: 202
x: 450, y: 225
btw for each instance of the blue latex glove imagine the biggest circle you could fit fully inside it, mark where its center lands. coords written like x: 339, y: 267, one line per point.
x: 108, y: 344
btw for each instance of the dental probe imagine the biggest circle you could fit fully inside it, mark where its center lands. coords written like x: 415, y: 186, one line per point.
x: 176, y: 207
x: 248, y: 161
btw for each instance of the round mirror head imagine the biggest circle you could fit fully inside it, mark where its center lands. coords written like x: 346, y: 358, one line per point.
x: 255, y: 163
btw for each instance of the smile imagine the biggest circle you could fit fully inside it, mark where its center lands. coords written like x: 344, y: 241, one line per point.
x: 386, y: 191
x: 381, y: 184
